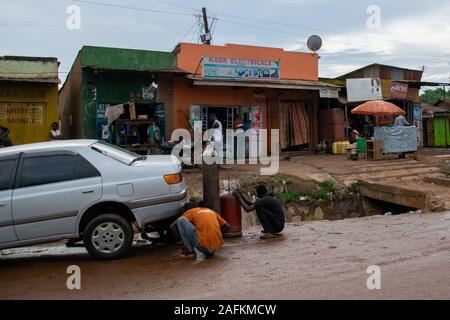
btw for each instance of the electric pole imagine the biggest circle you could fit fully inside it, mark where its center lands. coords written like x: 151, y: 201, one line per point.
x: 210, y: 172
x: 205, y: 22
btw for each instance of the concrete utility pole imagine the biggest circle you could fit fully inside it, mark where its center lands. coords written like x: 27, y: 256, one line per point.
x: 211, y: 182
x: 205, y: 22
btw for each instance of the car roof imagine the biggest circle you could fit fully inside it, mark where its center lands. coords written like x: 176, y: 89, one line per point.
x: 47, y: 146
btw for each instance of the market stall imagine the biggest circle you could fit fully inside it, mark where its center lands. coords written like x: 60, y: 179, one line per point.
x: 137, y: 127
x: 387, y: 140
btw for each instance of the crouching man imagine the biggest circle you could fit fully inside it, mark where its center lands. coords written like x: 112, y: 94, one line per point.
x: 201, y: 231
x: 269, y: 211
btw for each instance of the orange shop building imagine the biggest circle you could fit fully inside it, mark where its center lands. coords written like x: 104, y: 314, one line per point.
x: 260, y: 87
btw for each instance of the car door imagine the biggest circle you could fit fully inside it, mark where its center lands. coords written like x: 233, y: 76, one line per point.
x: 51, y: 189
x: 8, y: 167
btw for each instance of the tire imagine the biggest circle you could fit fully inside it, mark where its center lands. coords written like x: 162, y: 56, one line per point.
x: 108, y: 237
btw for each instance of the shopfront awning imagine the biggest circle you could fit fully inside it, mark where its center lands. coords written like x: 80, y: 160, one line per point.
x: 273, y: 84
x: 419, y: 84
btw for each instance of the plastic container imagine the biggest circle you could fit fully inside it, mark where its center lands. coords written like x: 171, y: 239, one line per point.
x: 335, y: 148
x: 230, y: 209
x: 340, y: 147
x: 361, y: 142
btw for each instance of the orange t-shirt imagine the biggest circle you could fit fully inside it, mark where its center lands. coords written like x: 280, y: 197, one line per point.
x: 208, y: 223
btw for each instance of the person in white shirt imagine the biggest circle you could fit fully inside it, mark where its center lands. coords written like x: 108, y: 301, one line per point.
x: 217, y: 126
x: 401, y: 121
x: 55, y: 133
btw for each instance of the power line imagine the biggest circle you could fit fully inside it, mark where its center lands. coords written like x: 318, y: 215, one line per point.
x: 300, y: 27
x: 133, y: 8
x: 295, y: 26
x: 213, y: 28
x: 329, y: 40
x: 188, y: 32
x: 240, y: 23
x: 194, y: 33
x: 178, y: 5
x: 199, y: 28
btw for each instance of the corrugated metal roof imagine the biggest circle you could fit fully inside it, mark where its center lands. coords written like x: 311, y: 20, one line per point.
x: 29, y: 69
x: 147, y: 70
x: 373, y: 65
x: 35, y: 79
x: 281, y: 84
x: 431, y: 108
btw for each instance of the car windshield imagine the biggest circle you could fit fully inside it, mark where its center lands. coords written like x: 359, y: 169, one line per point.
x: 115, y: 152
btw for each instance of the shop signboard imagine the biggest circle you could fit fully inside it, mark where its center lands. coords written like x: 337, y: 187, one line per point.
x: 26, y: 121
x: 239, y: 68
x: 399, y: 90
x: 329, y: 93
x: 364, y: 89
x: 22, y: 113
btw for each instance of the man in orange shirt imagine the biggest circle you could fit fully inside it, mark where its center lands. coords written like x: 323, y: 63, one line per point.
x: 200, y: 230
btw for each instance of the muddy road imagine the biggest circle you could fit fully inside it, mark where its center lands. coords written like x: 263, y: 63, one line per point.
x: 317, y: 260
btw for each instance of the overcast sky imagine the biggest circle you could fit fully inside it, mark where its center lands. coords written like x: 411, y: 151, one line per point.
x: 413, y: 33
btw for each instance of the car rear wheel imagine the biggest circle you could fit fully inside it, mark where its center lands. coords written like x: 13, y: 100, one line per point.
x: 108, y: 236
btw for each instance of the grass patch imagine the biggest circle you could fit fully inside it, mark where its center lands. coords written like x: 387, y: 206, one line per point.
x: 328, y: 185
x: 309, y: 218
x: 320, y: 195
x: 354, y: 187
x: 288, y: 197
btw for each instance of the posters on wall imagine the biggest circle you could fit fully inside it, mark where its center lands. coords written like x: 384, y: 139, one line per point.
x: 238, y: 68
x: 148, y: 93
x: 101, y: 121
x: 196, y: 113
x: 255, y: 117
x: 364, y: 89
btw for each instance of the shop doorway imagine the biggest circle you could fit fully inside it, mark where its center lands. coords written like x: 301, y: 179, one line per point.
x: 229, y: 116
x: 294, y: 124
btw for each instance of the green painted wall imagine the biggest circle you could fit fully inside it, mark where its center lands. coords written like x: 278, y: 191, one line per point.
x: 113, y: 76
x: 441, y: 132
x: 127, y: 59
x: 110, y: 87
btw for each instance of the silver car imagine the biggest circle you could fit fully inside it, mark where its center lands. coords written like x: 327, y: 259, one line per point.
x: 85, y: 190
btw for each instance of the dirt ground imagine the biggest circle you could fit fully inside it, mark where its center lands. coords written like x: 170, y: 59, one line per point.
x: 323, y: 260
x: 306, y: 167
x: 317, y: 260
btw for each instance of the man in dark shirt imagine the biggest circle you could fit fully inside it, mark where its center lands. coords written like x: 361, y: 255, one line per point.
x: 269, y: 211
x: 4, y: 139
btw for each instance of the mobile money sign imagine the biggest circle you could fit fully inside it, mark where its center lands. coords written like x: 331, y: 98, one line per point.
x: 239, y: 68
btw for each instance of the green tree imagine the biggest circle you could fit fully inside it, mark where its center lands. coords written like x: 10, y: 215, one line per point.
x: 431, y: 96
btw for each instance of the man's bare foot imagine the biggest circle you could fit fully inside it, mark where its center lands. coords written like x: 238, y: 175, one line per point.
x: 184, y: 255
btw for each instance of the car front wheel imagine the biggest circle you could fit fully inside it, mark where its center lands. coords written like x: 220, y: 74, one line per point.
x: 108, y: 236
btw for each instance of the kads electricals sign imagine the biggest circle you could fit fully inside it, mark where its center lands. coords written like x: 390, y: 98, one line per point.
x: 237, y: 68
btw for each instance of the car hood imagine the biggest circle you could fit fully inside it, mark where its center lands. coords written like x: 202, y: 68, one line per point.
x: 158, y: 160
